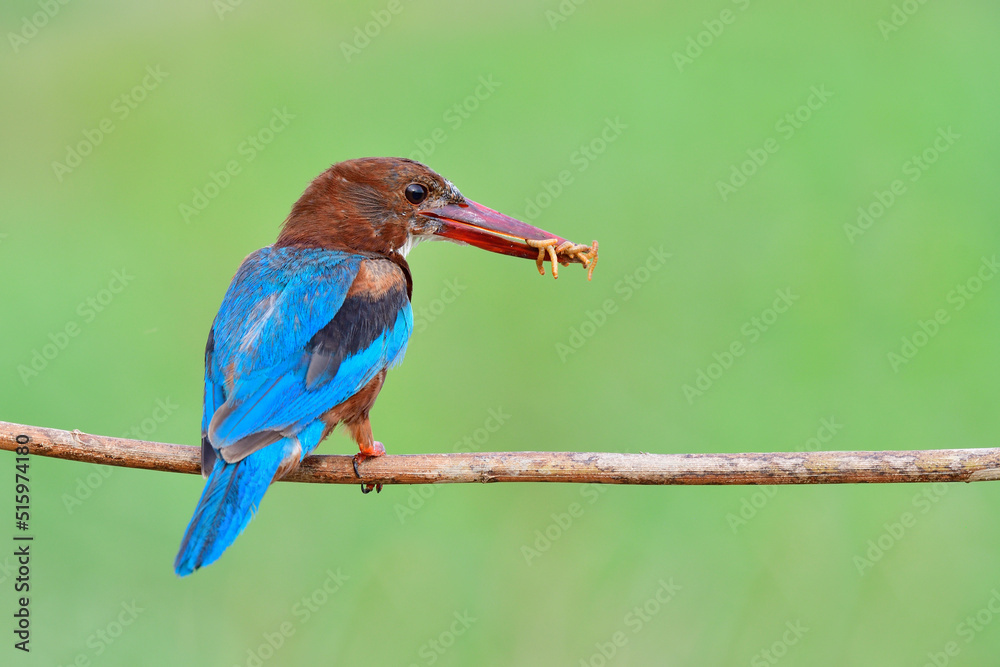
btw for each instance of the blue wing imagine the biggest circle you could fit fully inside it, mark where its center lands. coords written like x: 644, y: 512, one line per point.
x: 299, y: 331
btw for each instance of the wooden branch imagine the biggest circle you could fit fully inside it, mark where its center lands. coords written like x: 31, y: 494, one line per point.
x: 936, y: 465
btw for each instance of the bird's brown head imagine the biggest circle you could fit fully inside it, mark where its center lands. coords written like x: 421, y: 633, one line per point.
x: 386, y: 205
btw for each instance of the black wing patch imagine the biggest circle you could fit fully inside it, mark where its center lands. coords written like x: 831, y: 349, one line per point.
x: 367, y: 313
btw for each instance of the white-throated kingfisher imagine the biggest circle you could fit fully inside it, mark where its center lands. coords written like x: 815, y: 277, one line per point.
x: 310, y: 325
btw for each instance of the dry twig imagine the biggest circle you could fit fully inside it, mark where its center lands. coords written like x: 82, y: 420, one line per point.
x: 935, y: 465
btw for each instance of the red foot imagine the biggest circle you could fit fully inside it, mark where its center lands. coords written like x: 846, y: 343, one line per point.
x: 376, y: 450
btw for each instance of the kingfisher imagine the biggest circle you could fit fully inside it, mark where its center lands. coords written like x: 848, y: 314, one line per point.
x: 311, y: 324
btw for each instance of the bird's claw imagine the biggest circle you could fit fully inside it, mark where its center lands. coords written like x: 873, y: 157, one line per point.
x: 377, y: 449
x: 564, y: 253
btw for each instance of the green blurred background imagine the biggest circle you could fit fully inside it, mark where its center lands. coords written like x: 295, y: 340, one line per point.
x: 753, y: 575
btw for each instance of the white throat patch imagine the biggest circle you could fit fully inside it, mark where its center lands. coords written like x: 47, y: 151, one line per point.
x: 411, y: 241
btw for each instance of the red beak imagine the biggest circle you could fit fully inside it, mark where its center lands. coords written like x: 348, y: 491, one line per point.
x: 485, y: 228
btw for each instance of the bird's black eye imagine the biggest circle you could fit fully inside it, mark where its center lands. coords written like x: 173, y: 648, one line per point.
x: 415, y: 193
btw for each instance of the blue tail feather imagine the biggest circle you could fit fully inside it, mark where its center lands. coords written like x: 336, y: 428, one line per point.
x: 230, y: 499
